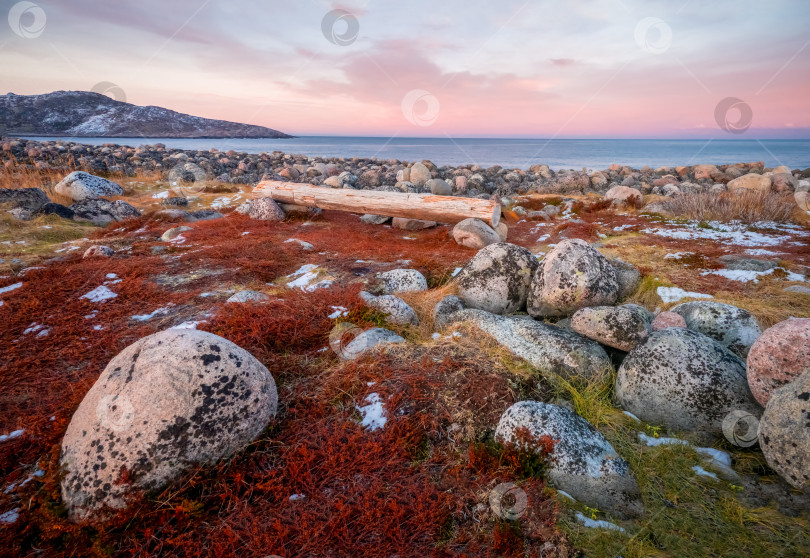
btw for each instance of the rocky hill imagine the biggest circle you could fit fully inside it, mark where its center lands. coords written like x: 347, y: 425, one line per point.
x: 88, y: 114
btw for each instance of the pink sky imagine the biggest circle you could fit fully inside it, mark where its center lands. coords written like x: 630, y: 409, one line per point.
x: 583, y: 68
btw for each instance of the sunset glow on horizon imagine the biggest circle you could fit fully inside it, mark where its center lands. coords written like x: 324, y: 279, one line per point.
x: 627, y: 69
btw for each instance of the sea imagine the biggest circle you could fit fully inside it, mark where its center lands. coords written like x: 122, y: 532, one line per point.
x: 508, y: 153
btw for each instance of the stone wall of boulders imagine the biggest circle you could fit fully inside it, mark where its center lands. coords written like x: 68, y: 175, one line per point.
x: 393, y: 175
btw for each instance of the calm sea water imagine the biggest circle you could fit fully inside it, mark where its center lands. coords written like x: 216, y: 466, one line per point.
x: 510, y: 153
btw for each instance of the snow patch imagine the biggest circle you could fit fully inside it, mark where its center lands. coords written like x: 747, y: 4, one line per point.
x: 11, y: 435
x: 597, y: 523
x: 99, y: 294
x: 373, y: 413
x: 10, y: 288
x: 674, y: 294
x: 650, y: 441
x: 703, y: 472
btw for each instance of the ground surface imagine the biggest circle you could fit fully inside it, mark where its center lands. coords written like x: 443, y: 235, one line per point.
x: 317, y: 482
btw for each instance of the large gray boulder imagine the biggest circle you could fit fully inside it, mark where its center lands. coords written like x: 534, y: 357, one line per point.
x: 266, y: 209
x: 32, y: 199
x: 620, y: 327
x: 474, y: 233
x: 583, y: 463
x: 402, y: 281
x: 784, y: 432
x: 572, y: 276
x: 80, y: 185
x: 397, y: 311
x: 685, y: 381
x: 733, y: 327
x: 168, y: 401
x: 548, y: 348
x: 103, y: 212
x: 497, y: 278
x: 366, y: 341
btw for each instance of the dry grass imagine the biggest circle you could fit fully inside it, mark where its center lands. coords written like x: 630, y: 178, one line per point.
x: 423, y: 304
x: 747, y: 206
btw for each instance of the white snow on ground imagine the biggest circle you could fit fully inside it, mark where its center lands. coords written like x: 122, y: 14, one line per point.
x: 161, y: 195
x: 674, y: 294
x: 728, y: 233
x: 188, y: 325
x: 373, y: 413
x: 566, y: 495
x: 159, y: 312
x: 338, y: 312
x: 632, y: 416
x: 677, y: 255
x: 99, y: 294
x: 303, y: 279
x: 37, y: 473
x: 761, y: 252
x: 544, y: 237
x: 302, y: 243
x: 455, y: 272
x: 703, y: 472
x: 296, y: 497
x: 715, y: 455
x: 747, y: 275
x: 10, y: 516
x: 623, y: 227
x: 39, y: 329
x: 225, y: 201
x: 597, y: 523
x: 11, y: 435
x: 650, y: 441
x: 10, y: 288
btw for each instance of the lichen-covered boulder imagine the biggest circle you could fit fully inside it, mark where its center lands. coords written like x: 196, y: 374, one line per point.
x: 685, y: 381
x: 572, y: 276
x: 103, y: 212
x: 168, y: 401
x: 779, y: 356
x: 369, y: 340
x: 784, y: 432
x: 402, y: 281
x: 627, y: 276
x: 733, y: 327
x: 397, y: 311
x: 474, y: 233
x: 548, y: 348
x: 668, y: 319
x: 444, y: 309
x: 624, y: 195
x: 80, y: 185
x: 620, y: 327
x: 497, y: 278
x: 583, y: 462
x: 266, y: 209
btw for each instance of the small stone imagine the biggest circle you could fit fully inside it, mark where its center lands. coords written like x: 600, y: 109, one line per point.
x: 248, y: 296
x: 439, y: 187
x: 98, y: 251
x: 174, y: 233
x: 375, y: 219
x: 411, y: 224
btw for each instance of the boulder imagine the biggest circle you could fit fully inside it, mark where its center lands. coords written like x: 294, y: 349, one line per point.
x: 411, y: 224
x: 620, y: 327
x: 705, y: 171
x: 444, y: 310
x: 402, y: 281
x: 57, y: 209
x: 248, y: 296
x: 32, y: 199
x: 173, y: 233
x: 266, y: 209
x: 303, y: 210
x: 572, y: 276
x: 397, y: 311
x: 784, y: 432
x: 103, y: 212
x: 784, y: 183
x: 733, y: 327
x: 203, y: 215
x: 98, y: 251
x: 779, y: 356
x: 685, y: 381
x: 583, y: 463
x: 419, y: 174
x: 751, y: 181
x: 175, y: 201
x: 497, y: 278
x: 624, y: 195
x: 668, y: 319
x: 80, y: 185
x: 628, y: 277
x: 548, y: 348
x: 366, y: 341
x: 439, y: 187
x: 502, y: 230
x: 169, y: 401
x: 474, y: 233
x: 741, y: 262
x: 374, y: 219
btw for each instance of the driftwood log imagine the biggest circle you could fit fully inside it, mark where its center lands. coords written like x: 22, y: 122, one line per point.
x: 442, y: 209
